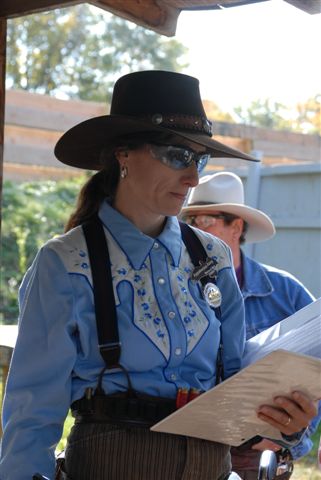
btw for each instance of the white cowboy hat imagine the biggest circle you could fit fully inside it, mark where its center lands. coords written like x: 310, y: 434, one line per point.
x: 224, y: 192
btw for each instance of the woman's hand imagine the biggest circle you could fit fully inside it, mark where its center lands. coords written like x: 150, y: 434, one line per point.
x: 290, y: 414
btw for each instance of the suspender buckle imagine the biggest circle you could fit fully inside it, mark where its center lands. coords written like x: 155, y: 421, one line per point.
x: 111, y: 353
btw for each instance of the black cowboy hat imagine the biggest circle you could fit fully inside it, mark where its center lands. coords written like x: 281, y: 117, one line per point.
x: 147, y: 101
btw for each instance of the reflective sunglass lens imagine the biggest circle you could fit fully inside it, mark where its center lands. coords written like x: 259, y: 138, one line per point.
x: 201, y: 162
x: 179, y: 158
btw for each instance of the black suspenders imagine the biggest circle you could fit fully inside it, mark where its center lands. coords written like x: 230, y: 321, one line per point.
x: 105, y: 308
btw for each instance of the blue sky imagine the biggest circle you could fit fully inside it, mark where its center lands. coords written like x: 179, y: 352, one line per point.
x: 264, y: 50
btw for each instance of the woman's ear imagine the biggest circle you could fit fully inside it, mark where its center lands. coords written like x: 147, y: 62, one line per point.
x: 121, y: 153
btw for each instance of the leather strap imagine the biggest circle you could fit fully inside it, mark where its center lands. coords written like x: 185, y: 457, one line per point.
x: 105, y: 307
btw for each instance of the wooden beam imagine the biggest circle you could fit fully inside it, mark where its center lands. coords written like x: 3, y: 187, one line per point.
x: 159, y: 16
x: 18, y: 8
x: 3, y: 45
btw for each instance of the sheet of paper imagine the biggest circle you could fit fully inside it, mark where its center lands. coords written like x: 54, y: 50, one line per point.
x: 300, y: 333
x: 227, y: 413
x: 300, y: 317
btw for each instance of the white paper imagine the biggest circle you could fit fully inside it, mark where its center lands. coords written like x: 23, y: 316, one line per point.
x: 299, y: 333
x: 227, y: 412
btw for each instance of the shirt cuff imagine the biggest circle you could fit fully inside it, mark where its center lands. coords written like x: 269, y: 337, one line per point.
x: 292, y: 440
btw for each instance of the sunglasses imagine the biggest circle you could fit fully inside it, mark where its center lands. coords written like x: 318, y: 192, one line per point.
x: 177, y: 157
x: 203, y: 221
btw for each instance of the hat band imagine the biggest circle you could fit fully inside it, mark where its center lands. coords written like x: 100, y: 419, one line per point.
x: 182, y: 122
x: 203, y: 204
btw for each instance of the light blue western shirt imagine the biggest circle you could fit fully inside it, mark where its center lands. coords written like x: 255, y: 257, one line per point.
x: 169, y: 335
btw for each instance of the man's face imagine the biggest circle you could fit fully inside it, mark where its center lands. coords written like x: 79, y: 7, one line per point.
x: 216, y: 224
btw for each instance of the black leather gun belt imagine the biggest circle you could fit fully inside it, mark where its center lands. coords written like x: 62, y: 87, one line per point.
x: 139, y: 411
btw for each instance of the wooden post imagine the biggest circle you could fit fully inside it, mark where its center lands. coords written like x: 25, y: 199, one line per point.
x: 3, y: 42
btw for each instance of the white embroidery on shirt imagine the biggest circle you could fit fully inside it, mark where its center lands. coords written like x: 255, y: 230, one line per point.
x: 147, y: 315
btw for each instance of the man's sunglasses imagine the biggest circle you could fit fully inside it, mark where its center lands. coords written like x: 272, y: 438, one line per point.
x: 203, y: 221
x: 177, y: 157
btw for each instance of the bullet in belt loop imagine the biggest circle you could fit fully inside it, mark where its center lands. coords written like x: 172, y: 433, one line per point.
x: 193, y: 393
x: 181, y: 397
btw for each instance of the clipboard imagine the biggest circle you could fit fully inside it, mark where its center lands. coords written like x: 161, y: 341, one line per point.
x: 227, y: 413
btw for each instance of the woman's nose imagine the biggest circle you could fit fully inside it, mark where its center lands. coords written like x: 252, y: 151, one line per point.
x: 191, y: 175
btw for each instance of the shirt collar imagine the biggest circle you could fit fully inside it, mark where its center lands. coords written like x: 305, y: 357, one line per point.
x: 135, y: 244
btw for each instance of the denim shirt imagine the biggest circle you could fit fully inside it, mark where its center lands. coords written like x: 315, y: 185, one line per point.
x: 168, y: 332
x: 270, y: 295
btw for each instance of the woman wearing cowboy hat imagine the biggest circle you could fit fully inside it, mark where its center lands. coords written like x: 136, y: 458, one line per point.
x: 157, y: 339
x: 217, y: 206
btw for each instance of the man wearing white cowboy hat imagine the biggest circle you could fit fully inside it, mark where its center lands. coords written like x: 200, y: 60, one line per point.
x: 217, y: 206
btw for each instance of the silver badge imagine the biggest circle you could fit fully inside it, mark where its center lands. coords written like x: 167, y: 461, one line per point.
x: 212, y: 295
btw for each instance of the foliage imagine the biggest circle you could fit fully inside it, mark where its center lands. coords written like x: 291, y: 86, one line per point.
x: 264, y: 113
x: 309, y: 115
x: 32, y: 213
x: 81, y: 50
x: 304, y: 117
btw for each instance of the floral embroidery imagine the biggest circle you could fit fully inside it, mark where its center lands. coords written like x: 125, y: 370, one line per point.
x: 122, y: 271
x: 146, y: 312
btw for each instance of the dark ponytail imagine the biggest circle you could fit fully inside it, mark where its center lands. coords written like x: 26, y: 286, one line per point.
x: 101, y: 185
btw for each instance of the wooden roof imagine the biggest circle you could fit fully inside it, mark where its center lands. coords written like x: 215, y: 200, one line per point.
x: 158, y: 15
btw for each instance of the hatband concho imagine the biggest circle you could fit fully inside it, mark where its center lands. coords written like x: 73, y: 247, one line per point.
x: 182, y: 122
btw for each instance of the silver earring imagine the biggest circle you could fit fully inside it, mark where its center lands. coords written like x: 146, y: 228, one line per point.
x: 123, y: 171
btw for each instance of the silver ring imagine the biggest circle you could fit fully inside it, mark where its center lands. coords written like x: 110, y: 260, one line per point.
x: 288, y: 421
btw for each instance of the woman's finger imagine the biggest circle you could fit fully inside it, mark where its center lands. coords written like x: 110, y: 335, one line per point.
x: 291, y: 414
x: 278, y: 419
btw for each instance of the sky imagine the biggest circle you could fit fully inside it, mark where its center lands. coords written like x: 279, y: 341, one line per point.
x: 265, y: 50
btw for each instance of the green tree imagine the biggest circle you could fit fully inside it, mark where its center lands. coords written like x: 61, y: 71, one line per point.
x: 265, y: 113
x: 81, y: 50
x: 308, y: 118
x: 304, y: 117
x: 33, y: 212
